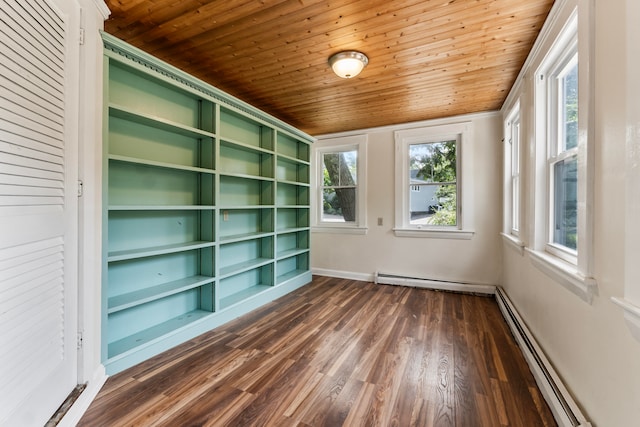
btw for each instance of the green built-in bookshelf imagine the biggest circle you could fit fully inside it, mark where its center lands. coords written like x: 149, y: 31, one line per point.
x: 206, y: 207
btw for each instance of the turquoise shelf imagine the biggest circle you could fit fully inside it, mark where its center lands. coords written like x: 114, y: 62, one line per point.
x: 147, y: 336
x: 157, y: 250
x: 243, y: 295
x: 156, y: 122
x: 132, y: 299
x: 134, y: 160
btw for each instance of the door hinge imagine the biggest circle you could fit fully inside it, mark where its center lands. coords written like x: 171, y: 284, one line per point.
x: 79, y: 340
x: 80, y: 188
x: 81, y: 36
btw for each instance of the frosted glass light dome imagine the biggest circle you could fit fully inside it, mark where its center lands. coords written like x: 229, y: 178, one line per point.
x: 348, y: 64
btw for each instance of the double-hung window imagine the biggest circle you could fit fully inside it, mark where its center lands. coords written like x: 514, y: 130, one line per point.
x: 563, y: 231
x: 339, y: 185
x: 562, y: 159
x: 429, y: 194
x: 512, y: 173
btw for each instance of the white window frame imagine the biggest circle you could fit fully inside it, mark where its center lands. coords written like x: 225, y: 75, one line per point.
x: 573, y: 271
x: 335, y: 145
x: 555, y: 153
x: 513, y: 171
x: 462, y: 132
x: 512, y: 182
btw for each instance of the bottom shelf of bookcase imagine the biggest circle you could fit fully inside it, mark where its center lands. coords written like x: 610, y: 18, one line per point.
x: 147, y: 335
x: 232, y: 299
x: 128, y: 351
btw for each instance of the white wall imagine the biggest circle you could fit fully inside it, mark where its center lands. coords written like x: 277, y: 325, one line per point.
x: 476, y: 260
x: 589, y: 344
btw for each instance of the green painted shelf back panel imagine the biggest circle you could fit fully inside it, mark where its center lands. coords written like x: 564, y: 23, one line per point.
x: 236, y: 127
x: 292, y: 242
x: 129, y: 322
x: 234, y: 254
x: 155, y: 331
x: 131, y: 139
x: 293, y: 148
x: 292, y: 195
x: 143, y: 93
x: 260, y: 276
x: 129, y: 230
x: 136, y: 275
x: 142, y: 296
x: 236, y: 191
x: 292, y: 218
x: 288, y: 170
x: 245, y: 221
x: 295, y: 264
x: 239, y: 160
x: 134, y: 184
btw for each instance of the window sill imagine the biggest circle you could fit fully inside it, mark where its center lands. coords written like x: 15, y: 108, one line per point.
x: 340, y: 230
x: 631, y: 315
x: 513, y: 242
x: 565, y: 274
x: 434, y: 234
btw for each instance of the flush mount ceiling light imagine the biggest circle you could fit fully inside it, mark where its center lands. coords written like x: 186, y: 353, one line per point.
x: 348, y: 64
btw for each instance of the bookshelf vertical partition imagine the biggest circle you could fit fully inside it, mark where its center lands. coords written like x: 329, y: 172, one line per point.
x: 206, y: 207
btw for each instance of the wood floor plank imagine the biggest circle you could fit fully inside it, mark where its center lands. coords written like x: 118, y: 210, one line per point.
x: 337, y: 352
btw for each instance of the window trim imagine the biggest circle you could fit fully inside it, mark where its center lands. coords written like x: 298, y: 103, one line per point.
x: 403, y: 139
x: 332, y: 145
x: 512, y: 181
x: 574, y: 273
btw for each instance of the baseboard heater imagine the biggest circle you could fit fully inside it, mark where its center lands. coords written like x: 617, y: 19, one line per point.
x: 564, y: 408
x: 442, y: 285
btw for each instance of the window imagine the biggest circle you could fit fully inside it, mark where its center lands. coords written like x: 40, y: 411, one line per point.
x: 339, y: 183
x: 428, y: 190
x: 564, y: 157
x: 562, y: 161
x: 432, y: 168
x: 339, y: 179
x: 512, y: 173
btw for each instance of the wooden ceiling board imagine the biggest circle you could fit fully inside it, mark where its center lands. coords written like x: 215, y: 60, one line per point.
x: 428, y: 58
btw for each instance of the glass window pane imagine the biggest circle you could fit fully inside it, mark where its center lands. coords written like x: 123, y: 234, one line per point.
x: 339, y: 205
x: 515, y: 203
x: 432, y: 162
x: 433, y: 205
x: 569, y: 104
x: 565, y: 213
x: 340, y: 169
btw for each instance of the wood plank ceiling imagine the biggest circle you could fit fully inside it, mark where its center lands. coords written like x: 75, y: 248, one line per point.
x: 427, y: 58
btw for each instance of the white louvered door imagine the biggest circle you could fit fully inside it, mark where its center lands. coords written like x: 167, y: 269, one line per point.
x: 39, y: 63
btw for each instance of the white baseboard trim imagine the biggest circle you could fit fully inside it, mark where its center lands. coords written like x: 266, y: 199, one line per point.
x: 80, y: 406
x: 343, y: 274
x: 442, y: 285
x: 565, y: 410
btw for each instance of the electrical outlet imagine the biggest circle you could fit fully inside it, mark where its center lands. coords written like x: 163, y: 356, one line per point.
x: 380, y: 221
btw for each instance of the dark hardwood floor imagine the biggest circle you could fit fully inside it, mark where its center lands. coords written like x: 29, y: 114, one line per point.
x: 337, y: 353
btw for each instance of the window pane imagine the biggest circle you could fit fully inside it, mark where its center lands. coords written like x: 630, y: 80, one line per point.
x: 433, y: 205
x: 565, y: 203
x: 339, y: 205
x: 340, y: 169
x: 569, y: 104
x: 432, y: 162
x: 515, y: 203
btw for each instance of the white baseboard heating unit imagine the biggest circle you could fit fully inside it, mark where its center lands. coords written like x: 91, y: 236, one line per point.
x: 442, y: 285
x: 564, y: 408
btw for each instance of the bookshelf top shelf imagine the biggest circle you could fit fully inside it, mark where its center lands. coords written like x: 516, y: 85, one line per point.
x: 125, y: 113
